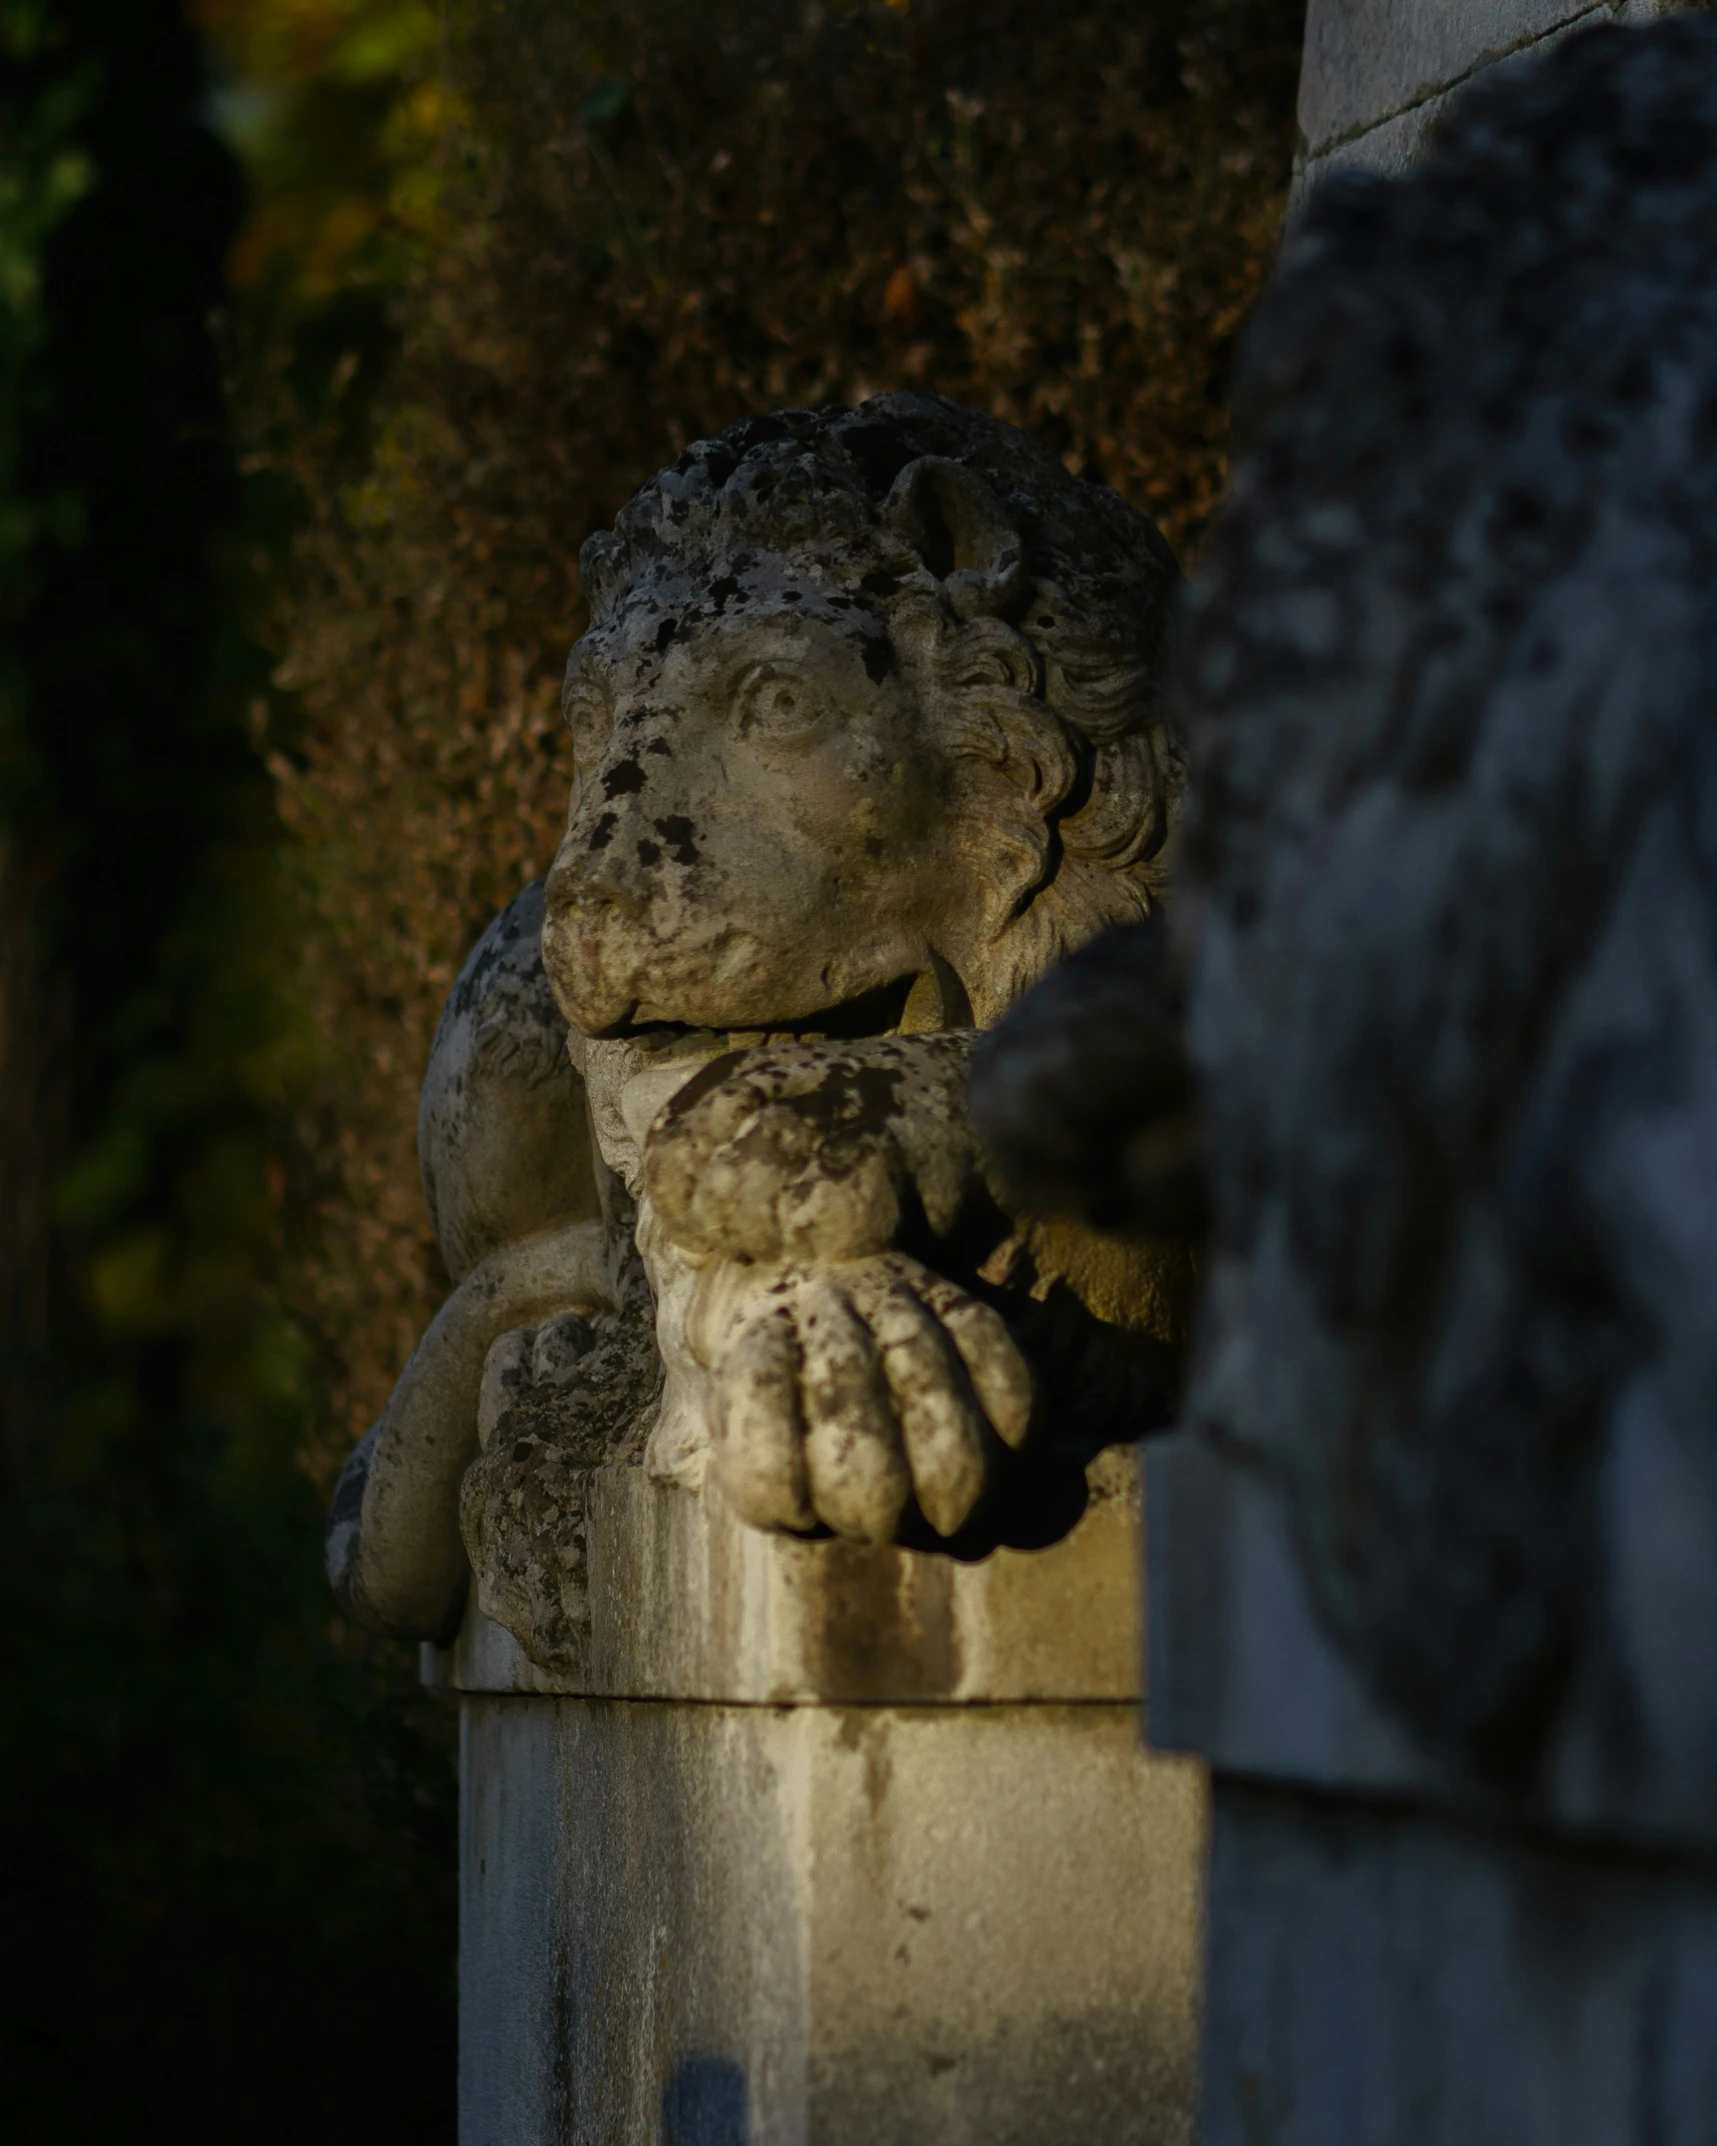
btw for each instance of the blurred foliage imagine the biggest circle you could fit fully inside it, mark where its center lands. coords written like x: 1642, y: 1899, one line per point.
x: 43, y: 172
x: 225, y: 1821
x: 650, y: 217
x: 339, y: 110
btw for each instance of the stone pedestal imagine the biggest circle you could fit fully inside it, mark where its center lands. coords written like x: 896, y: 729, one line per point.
x: 1387, y: 1975
x: 1402, y: 1953
x: 1377, y: 75
x: 1442, y: 1631
x: 826, y: 1845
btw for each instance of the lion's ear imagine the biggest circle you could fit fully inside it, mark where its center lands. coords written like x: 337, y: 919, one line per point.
x: 961, y: 531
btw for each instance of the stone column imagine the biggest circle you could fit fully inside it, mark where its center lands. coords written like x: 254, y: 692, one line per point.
x: 820, y: 1843
x: 1378, y: 74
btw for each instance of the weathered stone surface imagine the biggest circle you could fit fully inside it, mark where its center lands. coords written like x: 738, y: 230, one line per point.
x: 845, y: 670
x: 1453, y: 1002
x: 1245, y: 1672
x: 1241, y: 1669
x: 803, y: 1798
x: 1378, y: 76
x: 1433, y: 1573
x: 1084, y: 1096
x: 1367, y: 60
x: 503, y: 1139
x: 926, y: 1882
x: 825, y: 1926
x: 1384, y: 1977
x: 529, y: 1226
x: 682, y: 1601
x: 1433, y: 1570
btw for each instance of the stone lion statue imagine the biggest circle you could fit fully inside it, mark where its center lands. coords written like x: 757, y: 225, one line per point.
x: 1450, y: 990
x: 868, y: 733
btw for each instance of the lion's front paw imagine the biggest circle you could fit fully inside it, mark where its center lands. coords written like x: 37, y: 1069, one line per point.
x: 804, y: 1151
x: 842, y: 1392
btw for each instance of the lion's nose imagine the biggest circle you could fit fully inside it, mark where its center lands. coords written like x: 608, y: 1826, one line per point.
x: 586, y: 888
x: 589, y: 898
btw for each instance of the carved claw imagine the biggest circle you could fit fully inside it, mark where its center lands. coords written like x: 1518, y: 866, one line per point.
x: 843, y: 1392
x: 759, y: 1429
x: 854, y: 1454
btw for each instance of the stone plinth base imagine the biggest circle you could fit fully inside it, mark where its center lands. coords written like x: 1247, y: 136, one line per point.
x: 732, y: 1925
x: 1400, y: 1953
x: 1378, y: 75
x: 1385, y: 1977
x: 834, y: 1848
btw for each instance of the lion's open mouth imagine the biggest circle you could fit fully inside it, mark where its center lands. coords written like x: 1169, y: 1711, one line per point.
x: 873, y: 1013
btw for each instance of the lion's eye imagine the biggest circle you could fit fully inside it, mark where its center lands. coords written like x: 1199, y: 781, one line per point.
x: 776, y: 702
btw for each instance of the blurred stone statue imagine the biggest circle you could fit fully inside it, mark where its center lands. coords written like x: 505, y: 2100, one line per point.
x: 1434, y: 1583
x: 868, y: 734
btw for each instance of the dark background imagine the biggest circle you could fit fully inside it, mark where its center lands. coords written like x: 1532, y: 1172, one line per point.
x: 226, y: 1835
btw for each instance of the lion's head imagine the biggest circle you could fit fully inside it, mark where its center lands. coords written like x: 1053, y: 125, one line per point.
x: 867, y: 719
